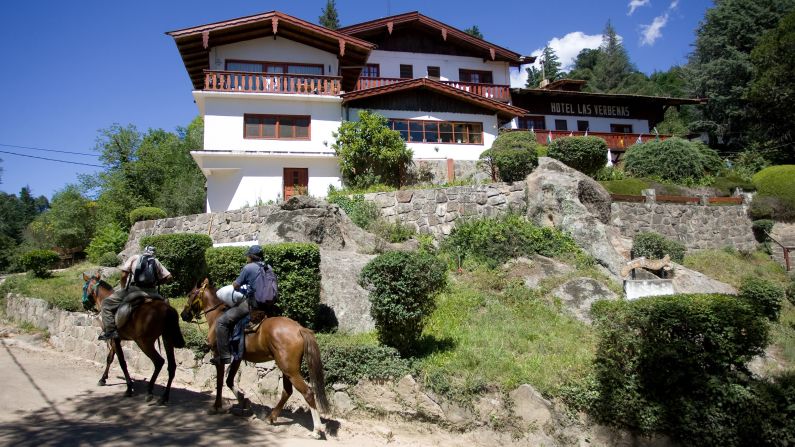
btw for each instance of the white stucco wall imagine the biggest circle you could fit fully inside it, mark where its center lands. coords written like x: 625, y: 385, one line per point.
x: 597, y: 124
x: 223, y: 120
x: 268, y: 49
x: 236, y: 181
x: 389, y: 62
x: 454, y: 151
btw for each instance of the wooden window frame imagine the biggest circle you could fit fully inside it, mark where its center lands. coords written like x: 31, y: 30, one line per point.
x: 411, y: 69
x: 369, y: 68
x: 391, y: 124
x: 438, y: 70
x: 467, y: 73
x: 278, y: 126
x: 284, y: 66
x: 526, y: 119
x: 625, y: 126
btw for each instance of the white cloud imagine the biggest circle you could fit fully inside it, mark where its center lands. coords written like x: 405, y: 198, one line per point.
x: 567, y: 48
x: 653, y: 31
x: 674, y: 4
x: 635, y: 4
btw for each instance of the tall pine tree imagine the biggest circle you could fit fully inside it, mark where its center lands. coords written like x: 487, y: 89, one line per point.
x: 474, y: 31
x: 613, y: 65
x: 329, y: 16
x: 550, y: 70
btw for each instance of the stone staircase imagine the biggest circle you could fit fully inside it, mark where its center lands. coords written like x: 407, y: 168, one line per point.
x: 785, y: 234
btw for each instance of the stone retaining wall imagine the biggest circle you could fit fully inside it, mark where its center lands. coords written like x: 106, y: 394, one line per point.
x: 696, y: 226
x: 436, y: 211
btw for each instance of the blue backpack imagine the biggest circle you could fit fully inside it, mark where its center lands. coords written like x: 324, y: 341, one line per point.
x: 266, y: 288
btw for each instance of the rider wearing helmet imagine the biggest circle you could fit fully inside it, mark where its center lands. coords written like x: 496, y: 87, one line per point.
x: 245, y: 284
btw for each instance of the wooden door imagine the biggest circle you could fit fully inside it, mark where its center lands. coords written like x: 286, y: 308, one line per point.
x: 296, y: 182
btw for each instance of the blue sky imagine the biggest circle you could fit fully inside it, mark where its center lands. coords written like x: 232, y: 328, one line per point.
x: 71, y: 68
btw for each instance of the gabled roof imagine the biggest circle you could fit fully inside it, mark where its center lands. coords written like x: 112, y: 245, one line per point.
x: 194, y: 43
x: 501, y: 109
x: 447, y: 33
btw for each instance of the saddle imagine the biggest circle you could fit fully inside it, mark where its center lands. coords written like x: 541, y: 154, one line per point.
x: 256, y: 317
x: 131, y: 302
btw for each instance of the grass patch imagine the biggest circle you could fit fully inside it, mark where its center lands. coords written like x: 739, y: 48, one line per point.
x: 64, y: 289
x: 634, y: 186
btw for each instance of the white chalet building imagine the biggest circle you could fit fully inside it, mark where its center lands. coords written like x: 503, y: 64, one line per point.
x: 273, y: 88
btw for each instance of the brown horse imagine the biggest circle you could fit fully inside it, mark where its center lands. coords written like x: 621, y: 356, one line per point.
x: 277, y: 338
x: 147, y: 323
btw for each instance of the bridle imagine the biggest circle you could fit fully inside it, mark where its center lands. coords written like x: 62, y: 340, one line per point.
x: 195, y: 304
x: 90, y: 292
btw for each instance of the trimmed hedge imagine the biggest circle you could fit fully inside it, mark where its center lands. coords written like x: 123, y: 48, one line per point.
x: 585, y: 154
x: 403, y: 287
x: 297, y: 267
x: 655, y: 246
x: 674, y: 159
x: 109, y: 239
x: 183, y: 255
x: 775, y: 187
x: 676, y: 364
x: 512, y: 156
x: 109, y: 259
x: 492, y: 241
x: 763, y: 296
x: 146, y: 213
x: 39, y: 262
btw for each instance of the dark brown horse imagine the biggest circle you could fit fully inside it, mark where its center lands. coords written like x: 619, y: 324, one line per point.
x: 277, y: 338
x: 147, y: 323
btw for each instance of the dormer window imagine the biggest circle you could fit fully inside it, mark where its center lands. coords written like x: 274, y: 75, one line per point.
x: 475, y: 76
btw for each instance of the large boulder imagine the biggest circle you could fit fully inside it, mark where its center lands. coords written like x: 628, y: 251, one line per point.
x: 691, y: 281
x: 560, y: 196
x: 535, y: 269
x: 578, y: 294
x: 341, y: 292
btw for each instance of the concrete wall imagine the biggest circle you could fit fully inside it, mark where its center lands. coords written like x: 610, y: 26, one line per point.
x: 390, y: 61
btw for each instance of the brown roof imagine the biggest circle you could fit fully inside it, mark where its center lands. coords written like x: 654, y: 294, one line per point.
x: 485, y: 49
x: 502, y: 109
x: 518, y: 92
x: 194, y: 43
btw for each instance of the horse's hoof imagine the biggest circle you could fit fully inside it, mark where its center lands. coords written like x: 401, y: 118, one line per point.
x: 149, y: 397
x: 101, y: 382
x: 316, y: 435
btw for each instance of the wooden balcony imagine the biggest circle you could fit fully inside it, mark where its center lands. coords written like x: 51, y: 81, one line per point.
x: 247, y: 82
x: 618, y: 142
x: 492, y: 91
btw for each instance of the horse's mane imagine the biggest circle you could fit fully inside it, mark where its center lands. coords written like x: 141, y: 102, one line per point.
x: 104, y: 284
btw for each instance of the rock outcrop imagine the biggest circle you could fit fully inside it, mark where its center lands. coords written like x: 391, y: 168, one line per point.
x: 579, y: 294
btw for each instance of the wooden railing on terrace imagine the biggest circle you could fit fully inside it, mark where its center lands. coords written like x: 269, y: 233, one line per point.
x: 492, y: 91
x: 248, y: 82
x: 618, y: 142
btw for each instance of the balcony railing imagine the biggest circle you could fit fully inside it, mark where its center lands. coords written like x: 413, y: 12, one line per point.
x: 492, y: 91
x: 618, y: 142
x: 239, y: 81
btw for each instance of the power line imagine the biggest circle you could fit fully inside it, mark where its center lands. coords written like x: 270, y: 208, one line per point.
x: 52, y: 159
x: 47, y: 150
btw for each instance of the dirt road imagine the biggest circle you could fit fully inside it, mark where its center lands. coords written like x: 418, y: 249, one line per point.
x: 48, y: 398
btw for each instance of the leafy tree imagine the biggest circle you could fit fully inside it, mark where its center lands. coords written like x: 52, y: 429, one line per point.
x: 329, y: 16
x: 773, y: 89
x: 370, y: 153
x: 68, y: 224
x: 613, y: 64
x: 550, y: 70
x: 720, y: 68
x: 474, y: 31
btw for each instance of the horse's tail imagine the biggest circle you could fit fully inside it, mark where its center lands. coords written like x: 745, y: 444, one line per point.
x: 171, y: 329
x: 312, y: 352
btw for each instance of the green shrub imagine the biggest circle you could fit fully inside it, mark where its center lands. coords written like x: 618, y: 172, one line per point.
x: 110, y: 238
x: 362, y: 212
x: 183, y: 255
x: 748, y: 163
x: 727, y: 185
x: 39, y: 262
x: 674, y: 364
x: 109, y: 259
x: 674, y: 159
x: 627, y: 186
x: 791, y: 291
x: 350, y: 363
x: 512, y: 156
x: 761, y: 229
x: 775, y: 186
x: 402, y: 289
x: 655, y: 246
x: 297, y: 267
x: 195, y: 339
x: 609, y: 173
x: 146, y: 213
x: 392, y: 231
x: 764, y: 296
x: 492, y: 241
x: 585, y: 154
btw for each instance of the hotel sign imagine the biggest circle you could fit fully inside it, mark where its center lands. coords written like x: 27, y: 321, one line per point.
x: 565, y: 108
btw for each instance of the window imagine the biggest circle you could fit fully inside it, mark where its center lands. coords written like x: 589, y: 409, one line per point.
x: 275, y: 67
x: 406, y: 71
x: 582, y: 125
x: 475, y: 76
x: 423, y: 131
x: 434, y: 72
x: 277, y: 127
x: 371, y: 71
x: 532, y: 122
x: 621, y: 128
x: 561, y: 125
